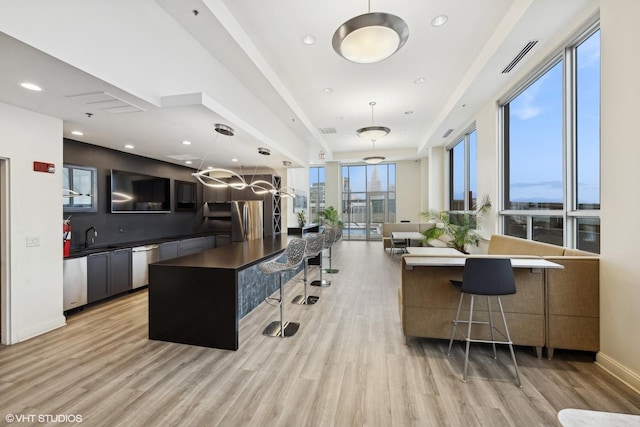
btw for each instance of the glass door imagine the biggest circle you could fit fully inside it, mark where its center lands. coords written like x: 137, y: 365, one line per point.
x: 368, y: 200
x: 377, y: 214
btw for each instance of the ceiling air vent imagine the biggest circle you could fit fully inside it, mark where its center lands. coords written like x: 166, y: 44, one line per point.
x: 519, y: 56
x: 106, y: 102
x: 328, y: 131
x: 447, y: 133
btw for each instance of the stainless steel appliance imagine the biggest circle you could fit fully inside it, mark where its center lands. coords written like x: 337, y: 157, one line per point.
x: 141, y: 257
x: 247, y: 221
x: 74, y: 283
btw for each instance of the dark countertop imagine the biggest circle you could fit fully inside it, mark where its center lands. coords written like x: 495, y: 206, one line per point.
x: 237, y: 256
x: 77, y: 253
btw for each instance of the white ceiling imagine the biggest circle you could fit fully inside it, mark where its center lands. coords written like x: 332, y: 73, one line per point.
x: 242, y: 63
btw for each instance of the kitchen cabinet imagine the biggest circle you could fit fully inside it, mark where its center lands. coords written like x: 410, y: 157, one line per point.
x: 120, y: 269
x: 168, y: 250
x: 108, y: 273
x: 190, y: 246
x: 208, y: 242
x: 98, y: 273
x: 211, y: 194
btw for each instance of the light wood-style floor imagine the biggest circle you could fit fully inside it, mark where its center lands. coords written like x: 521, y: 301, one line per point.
x: 347, y: 366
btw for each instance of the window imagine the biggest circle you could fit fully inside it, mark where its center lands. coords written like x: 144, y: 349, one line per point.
x: 462, y: 176
x: 551, y: 157
x: 79, y: 189
x: 368, y: 200
x: 316, y: 192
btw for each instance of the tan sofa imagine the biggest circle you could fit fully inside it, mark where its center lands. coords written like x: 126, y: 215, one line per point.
x: 572, y: 295
x: 390, y: 227
x: 553, y: 308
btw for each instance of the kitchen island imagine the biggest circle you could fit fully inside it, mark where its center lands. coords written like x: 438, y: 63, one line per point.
x: 199, y: 299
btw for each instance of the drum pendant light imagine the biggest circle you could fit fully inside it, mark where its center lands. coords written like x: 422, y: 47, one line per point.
x: 371, y: 37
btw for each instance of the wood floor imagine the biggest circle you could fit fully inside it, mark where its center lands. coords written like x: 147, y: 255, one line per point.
x: 348, y: 365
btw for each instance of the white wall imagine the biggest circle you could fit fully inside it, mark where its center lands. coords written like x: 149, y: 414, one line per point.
x: 437, y: 178
x: 408, y: 190
x: 33, y: 290
x: 297, y: 179
x: 488, y: 160
x: 333, y: 185
x: 619, y: 266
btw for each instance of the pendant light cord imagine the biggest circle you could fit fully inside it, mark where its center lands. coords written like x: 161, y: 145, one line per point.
x: 372, y: 103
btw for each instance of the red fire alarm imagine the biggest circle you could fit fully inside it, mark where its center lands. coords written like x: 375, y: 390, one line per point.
x: 44, y: 167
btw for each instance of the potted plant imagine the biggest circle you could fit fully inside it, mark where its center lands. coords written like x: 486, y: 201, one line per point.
x: 460, y: 227
x: 330, y: 216
x: 302, y: 219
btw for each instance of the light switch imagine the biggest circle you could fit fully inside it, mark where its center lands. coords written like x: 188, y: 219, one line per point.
x: 33, y: 241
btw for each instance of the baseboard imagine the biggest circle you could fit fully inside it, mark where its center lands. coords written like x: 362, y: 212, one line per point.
x: 40, y: 329
x: 619, y: 371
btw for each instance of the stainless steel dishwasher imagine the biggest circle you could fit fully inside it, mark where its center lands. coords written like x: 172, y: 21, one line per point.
x: 141, y: 257
x: 74, y: 282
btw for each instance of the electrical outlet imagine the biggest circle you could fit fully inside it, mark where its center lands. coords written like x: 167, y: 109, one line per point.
x: 33, y: 241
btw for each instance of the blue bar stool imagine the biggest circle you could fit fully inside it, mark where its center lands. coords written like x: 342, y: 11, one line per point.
x: 294, y: 254
x: 315, y: 244
x: 490, y: 277
x: 329, y: 238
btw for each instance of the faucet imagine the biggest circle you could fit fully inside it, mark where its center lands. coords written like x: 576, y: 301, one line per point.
x: 86, y: 236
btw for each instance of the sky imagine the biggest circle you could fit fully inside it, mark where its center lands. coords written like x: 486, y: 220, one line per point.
x: 536, y: 133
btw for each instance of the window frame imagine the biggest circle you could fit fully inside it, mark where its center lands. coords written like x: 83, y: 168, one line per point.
x: 94, y: 189
x: 570, y: 213
x: 464, y: 139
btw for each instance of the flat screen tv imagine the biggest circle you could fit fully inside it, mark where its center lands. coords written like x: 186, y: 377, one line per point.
x: 135, y: 192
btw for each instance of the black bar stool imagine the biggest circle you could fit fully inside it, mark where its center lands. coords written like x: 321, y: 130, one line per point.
x: 294, y: 254
x: 315, y: 244
x: 485, y: 277
x: 329, y: 238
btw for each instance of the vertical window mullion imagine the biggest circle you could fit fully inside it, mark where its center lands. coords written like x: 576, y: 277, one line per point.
x: 569, y: 143
x: 467, y: 202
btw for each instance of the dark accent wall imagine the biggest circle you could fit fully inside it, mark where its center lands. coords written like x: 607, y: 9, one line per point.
x: 137, y: 226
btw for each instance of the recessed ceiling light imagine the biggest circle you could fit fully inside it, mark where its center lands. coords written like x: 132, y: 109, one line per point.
x: 408, y: 112
x: 439, y: 21
x: 188, y: 162
x: 76, y: 132
x: 328, y: 90
x: 209, y: 167
x: 419, y: 80
x: 129, y: 146
x: 308, y: 39
x: 31, y: 86
x: 186, y: 142
x: 234, y: 160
